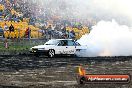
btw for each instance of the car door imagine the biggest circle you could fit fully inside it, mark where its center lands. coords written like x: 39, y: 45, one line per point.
x: 78, y: 47
x: 62, y: 47
x: 71, y: 47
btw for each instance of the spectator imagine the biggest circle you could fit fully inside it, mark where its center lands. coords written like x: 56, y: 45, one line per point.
x: 49, y: 29
x: 72, y: 35
x: 11, y: 28
x: 27, y: 33
x: 63, y: 30
x: 52, y: 31
x: 43, y: 30
x: 67, y: 34
x: 6, y: 28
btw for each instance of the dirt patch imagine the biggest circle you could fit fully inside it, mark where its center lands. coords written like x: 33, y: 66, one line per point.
x: 36, y: 72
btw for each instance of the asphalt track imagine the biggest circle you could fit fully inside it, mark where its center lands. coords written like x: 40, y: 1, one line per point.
x: 28, y: 71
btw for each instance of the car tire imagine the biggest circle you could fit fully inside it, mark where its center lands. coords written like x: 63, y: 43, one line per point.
x: 51, y: 53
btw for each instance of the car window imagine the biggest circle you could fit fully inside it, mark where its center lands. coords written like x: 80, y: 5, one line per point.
x: 60, y: 43
x: 63, y: 43
x: 71, y: 43
x: 77, y: 44
x: 52, y: 42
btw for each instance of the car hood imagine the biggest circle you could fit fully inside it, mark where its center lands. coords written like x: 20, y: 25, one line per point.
x: 43, y: 46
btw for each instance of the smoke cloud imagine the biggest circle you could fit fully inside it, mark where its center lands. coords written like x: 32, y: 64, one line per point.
x: 107, y: 38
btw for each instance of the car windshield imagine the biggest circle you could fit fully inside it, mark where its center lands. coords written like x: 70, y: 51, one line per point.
x: 52, y: 42
x: 77, y: 44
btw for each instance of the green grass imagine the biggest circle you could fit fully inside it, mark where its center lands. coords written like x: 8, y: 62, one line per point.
x: 19, y: 45
x: 15, y: 47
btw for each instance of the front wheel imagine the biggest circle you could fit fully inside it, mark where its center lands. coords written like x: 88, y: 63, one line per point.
x: 51, y: 53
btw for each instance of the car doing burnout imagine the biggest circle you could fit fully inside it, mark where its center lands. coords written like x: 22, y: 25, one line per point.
x: 57, y: 46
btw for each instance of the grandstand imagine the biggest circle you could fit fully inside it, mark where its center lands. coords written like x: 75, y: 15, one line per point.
x: 20, y: 26
x: 9, y: 15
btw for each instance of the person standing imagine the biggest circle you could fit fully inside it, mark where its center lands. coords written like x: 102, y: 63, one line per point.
x: 6, y: 28
x: 49, y: 29
x: 27, y: 33
x: 11, y: 30
x: 43, y: 31
x: 72, y: 34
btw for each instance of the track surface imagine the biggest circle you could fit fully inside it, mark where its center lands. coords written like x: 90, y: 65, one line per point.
x: 41, y: 72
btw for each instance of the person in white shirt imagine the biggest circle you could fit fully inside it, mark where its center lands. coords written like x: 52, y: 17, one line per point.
x: 6, y: 28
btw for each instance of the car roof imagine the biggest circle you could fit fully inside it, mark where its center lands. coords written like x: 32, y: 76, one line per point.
x: 61, y: 39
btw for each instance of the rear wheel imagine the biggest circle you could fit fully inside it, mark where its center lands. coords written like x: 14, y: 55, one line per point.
x: 51, y: 53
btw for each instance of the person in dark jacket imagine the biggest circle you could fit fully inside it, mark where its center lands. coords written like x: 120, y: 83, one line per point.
x: 28, y: 33
x: 11, y: 28
x: 72, y: 34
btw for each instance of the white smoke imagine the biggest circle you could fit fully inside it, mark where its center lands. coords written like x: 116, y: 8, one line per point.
x: 107, y: 38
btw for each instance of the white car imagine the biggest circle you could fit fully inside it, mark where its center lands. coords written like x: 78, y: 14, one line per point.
x: 57, y: 46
